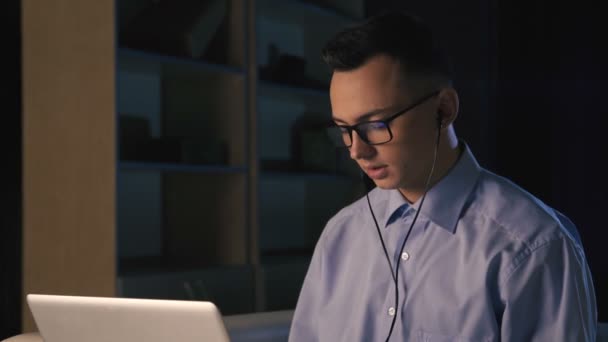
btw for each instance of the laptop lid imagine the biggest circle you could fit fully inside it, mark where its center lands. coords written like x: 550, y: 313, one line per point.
x: 97, y: 319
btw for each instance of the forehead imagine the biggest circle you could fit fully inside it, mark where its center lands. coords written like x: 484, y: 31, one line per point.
x: 378, y: 83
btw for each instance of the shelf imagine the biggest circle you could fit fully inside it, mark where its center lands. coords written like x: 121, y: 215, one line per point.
x: 183, y: 216
x: 293, y: 226
x: 184, y: 168
x: 156, y: 265
x: 300, y: 29
x: 132, y: 57
x: 182, y: 223
x: 304, y: 176
x: 213, y: 31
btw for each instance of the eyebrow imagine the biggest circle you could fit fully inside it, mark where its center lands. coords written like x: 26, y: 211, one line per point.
x: 366, y: 116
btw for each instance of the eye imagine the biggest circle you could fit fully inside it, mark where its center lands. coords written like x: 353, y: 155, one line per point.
x: 374, y: 125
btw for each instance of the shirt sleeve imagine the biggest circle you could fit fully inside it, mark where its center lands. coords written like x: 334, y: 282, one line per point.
x: 549, y: 296
x: 304, y: 326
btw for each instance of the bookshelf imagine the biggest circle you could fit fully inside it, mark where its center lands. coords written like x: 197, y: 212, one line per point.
x: 183, y: 166
x: 302, y: 179
x: 180, y: 170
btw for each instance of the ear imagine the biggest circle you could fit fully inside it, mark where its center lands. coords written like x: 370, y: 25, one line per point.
x: 448, y: 106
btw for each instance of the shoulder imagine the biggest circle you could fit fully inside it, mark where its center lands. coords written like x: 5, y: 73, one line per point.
x: 517, y: 212
x: 522, y: 229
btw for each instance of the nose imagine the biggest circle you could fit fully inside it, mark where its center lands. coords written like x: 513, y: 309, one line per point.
x: 359, y: 148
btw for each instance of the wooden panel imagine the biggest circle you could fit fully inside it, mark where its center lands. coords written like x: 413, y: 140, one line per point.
x: 205, y: 219
x: 68, y: 148
x: 237, y: 29
x: 207, y: 108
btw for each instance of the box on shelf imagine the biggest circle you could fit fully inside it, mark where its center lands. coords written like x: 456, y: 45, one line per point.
x: 352, y: 8
x: 311, y: 148
x: 288, y: 69
x: 136, y: 144
x: 175, y: 27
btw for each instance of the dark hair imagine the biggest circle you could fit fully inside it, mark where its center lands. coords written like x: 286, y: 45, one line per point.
x: 395, y: 34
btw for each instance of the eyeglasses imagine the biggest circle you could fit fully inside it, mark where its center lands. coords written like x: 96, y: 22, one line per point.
x: 373, y: 132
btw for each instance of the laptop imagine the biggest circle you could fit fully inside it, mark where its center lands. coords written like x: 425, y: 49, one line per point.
x: 105, y: 319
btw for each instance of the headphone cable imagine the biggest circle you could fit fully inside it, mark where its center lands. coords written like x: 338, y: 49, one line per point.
x: 395, y: 273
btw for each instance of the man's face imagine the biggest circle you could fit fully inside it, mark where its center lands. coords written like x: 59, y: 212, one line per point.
x: 375, y: 91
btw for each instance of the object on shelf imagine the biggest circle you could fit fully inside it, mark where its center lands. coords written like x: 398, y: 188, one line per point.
x: 203, y: 151
x: 134, y: 127
x: 183, y: 27
x: 268, y: 165
x: 134, y: 133
x: 311, y: 148
x: 288, y: 69
x: 175, y: 150
x: 196, y: 290
x: 351, y: 8
x: 136, y: 144
x: 160, y: 150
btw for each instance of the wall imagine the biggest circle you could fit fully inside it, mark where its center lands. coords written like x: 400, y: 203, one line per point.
x: 530, y: 78
x: 551, y: 116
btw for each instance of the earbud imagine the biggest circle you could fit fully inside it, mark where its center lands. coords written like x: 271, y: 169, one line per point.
x: 439, y: 120
x: 439, y: 126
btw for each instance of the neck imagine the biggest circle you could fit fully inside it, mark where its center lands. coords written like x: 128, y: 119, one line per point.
x: 448, y: 154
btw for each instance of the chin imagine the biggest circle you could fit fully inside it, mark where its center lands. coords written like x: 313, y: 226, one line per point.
x: 386, y: 184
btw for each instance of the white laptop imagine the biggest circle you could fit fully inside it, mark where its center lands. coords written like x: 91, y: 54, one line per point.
x: 105, y: 319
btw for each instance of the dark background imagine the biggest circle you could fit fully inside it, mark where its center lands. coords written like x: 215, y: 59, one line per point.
x: 531, y: 75
x: 10, y: 190
x: 533, y: 109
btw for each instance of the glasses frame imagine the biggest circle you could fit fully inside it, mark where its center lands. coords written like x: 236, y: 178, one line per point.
x: 386, y: 122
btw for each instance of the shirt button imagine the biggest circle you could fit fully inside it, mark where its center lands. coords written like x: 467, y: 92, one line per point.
x: 391, y: 311
x: 405, y: 256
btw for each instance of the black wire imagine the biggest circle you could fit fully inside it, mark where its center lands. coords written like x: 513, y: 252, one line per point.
x: 395, y: 274
x: 390, y: 265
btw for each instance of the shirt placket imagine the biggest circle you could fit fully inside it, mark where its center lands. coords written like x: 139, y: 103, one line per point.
x: 395, y: 233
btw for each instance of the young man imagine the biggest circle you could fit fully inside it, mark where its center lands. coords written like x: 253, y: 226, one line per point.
x: 441, y: 249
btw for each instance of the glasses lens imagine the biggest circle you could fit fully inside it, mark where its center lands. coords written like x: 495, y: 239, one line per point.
x: 339, y: 136
x: 375, y: 132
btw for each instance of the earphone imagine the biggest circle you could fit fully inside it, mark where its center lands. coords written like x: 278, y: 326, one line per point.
x: 439, y: 120
x: 395, y: 273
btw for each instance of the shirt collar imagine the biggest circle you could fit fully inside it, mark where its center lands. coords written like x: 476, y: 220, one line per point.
x: 444, y: 201
x: 397, y: 206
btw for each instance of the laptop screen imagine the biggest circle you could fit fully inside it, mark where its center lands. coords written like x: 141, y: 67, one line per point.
x: 97, y: 319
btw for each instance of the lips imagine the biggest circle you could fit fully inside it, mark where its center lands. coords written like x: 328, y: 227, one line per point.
x: 377, y: 172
